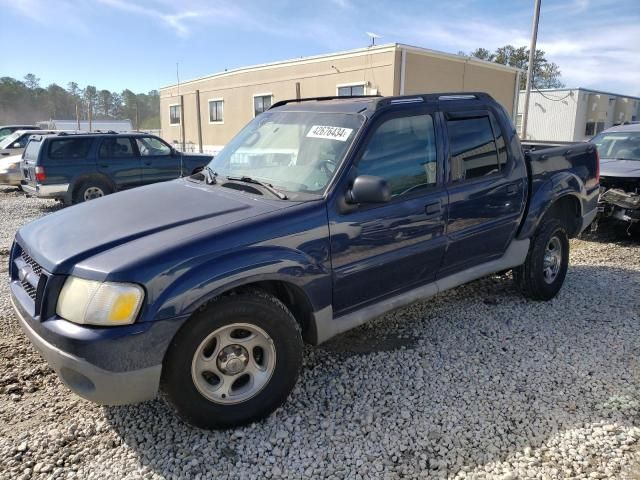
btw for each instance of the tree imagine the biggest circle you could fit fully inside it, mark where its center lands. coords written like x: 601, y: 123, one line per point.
x: 31, y: 81
x: 545, y: 74
x: 105, y: 100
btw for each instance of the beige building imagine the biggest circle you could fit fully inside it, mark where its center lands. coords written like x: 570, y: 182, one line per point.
x: 205, y: 113
x: 574, y: 114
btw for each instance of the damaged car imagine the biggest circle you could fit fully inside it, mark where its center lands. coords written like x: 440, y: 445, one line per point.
x: 619, y: 150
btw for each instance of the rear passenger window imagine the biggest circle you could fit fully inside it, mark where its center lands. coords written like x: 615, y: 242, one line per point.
x: 118, y: 147
x: 473, y: 148
x: 403, y: 151
x: 70, y: 148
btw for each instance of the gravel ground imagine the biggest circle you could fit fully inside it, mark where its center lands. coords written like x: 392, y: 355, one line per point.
x: 476, y: 383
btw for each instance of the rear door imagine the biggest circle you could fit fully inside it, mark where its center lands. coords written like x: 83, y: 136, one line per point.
x: 380, y: 249
x: 158, y: 162
x: 486, y: 190
x: 118, y: 160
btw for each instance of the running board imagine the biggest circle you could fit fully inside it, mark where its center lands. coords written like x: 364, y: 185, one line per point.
x: 327, y: 326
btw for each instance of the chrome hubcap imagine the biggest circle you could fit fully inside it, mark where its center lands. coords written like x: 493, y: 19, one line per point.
x: 92, y: 193
x: 233, y: 363
x: 552, y: 260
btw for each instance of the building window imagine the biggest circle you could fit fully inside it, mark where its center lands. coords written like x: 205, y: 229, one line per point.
x: 216, y: 111
x: 350, y: 90
x: 599, y: 126
x: 590, y: 130
x: 174, y: 114
x: 519, y: 123
x: 261, y: 103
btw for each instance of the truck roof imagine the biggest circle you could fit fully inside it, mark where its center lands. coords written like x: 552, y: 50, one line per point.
x: 363, y: 103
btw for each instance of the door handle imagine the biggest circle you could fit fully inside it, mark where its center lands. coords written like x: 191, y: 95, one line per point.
x: 432, y: 209
x: 512, y: 189
x: 147, y: 163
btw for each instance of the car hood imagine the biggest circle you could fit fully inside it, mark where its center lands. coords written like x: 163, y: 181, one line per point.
x: 172, y: 211
x: 610, y: 167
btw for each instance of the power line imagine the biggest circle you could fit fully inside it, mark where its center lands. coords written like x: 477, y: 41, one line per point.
x: 553, y: 99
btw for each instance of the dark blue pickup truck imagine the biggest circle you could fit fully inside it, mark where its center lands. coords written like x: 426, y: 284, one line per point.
x: 75, y: 168
x: 318, y: 216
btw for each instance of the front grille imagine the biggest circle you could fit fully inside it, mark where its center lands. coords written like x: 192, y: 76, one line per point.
x: 37, y: 269
x: 31, y: 291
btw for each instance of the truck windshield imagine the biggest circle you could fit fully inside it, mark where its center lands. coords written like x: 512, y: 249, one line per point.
x: 619, y: 145
x: 297, y: 152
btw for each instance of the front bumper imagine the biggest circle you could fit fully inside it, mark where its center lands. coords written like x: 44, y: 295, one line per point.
x: 89, y: 381
x: 46, y: 191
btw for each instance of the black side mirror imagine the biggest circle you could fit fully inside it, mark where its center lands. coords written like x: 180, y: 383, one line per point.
x: 369, y: 189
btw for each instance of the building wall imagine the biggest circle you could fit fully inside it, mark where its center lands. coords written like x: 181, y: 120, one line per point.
x: 428, y: 73
x: 551, y: 116
x: 379, y: 69
x: 318, y: 77
x: 566, y: 119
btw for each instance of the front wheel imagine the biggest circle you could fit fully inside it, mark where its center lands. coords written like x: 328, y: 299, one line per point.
x: 234, y: 362
x: 544, y: 271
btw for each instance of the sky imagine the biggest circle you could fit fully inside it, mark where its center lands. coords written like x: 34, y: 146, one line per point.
x: 118, y: 44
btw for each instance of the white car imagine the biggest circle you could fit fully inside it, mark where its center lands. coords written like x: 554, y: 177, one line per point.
x: 10, y: 173
x: 16, y: 142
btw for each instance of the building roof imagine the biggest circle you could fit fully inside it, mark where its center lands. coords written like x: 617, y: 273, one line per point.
x: 350, y: 53
x: 588, y: 90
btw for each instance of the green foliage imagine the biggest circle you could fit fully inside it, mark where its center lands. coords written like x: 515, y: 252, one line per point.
x: 545, y: 74
x: 27, y: 102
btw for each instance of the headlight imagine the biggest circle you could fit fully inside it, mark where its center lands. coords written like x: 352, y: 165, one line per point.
x: 99, y: 303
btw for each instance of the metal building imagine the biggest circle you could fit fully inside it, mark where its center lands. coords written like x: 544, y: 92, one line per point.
x: 574, y: 114
x: 205, y: 113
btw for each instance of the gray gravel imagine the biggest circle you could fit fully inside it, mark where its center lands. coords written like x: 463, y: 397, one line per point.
x: 476, y: 383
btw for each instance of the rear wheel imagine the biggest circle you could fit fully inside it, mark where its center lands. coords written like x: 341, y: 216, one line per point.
x: 544, y: 271
x: 234, y: 362
x: 92, y: 189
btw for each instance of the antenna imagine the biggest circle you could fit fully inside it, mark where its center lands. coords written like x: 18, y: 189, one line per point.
x: 372, y: 36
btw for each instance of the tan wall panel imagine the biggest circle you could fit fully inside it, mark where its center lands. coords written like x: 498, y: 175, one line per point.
x: 237, y: 90
x: 499, y: 84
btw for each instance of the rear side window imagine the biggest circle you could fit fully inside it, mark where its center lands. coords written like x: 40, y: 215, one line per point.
x: 119, y: 147
x: 69, y: 148
x: 473, y: 148
x: 403, y: 151
x: 31, y: 152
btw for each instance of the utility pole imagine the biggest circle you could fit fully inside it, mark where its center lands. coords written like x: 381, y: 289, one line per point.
x: 532, y: 56
x: 77, y: 117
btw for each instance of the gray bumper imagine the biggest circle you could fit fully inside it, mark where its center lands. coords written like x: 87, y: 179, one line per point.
x: 91, y: 382
x: 46, y: 191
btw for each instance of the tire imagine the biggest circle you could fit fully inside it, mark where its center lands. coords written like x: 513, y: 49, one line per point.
x: 539, y: 280
x: 91, y: 189
x: 256, y: 380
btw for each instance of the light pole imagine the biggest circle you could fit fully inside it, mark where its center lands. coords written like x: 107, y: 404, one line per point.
x: 532, y: 56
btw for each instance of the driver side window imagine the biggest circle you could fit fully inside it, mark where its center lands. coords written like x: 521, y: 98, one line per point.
x: 149, y: 146
x: 402, y: 150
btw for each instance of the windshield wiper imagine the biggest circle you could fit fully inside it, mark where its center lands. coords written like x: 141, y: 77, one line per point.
x: 266, y: 186
x: 209, y: 175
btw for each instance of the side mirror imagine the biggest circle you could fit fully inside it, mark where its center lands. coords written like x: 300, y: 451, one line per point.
x: 369, y: 189
x: 16, y: 145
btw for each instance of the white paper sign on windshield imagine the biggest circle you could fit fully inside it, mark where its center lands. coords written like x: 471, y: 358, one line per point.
x: 330, y: 133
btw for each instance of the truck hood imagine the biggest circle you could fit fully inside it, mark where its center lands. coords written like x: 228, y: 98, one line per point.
x: 172, y: 211
x: 610, y: 167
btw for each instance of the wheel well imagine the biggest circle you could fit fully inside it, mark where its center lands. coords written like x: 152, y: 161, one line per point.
x: 567, y: 210
x: 293, y: 298
x: 81, y: 180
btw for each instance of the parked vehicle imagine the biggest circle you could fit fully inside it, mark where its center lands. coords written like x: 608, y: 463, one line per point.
x: 79, y: 167
x: 10, y: 173
x: 6, y: 130
x: 619, y: 149
x: 15, y: 143
x: 319, y: 215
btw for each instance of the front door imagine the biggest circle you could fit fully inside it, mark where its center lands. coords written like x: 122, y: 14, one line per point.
x: 158, y: 163
x: 486, y: 191
x: 380, y: 249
